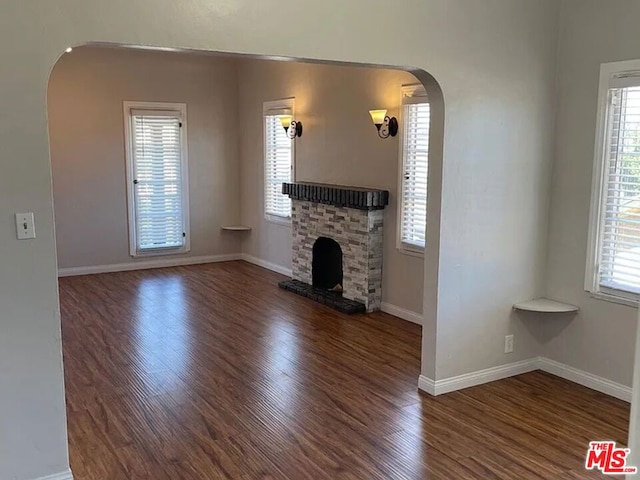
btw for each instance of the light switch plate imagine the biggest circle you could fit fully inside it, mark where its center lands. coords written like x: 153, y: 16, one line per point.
x: 25, y: 226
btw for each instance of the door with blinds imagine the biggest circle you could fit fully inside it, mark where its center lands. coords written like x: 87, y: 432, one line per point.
x: 157, y: 171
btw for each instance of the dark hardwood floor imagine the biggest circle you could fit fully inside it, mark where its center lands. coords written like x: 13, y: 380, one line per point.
x: 212, y: 372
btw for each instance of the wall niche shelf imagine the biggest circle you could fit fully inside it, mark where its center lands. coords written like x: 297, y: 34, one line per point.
x: 236, y: 228
x: 545, y: 305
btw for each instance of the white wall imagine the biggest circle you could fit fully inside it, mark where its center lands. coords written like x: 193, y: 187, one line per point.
x: 494, y: 61
x: 497, y: 162
x: 601, y: 338
x: 339, y: 146
x: 86, y: 131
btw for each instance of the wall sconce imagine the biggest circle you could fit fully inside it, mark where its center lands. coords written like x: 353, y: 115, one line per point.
x: 387, y: 126
x: 296, y: 126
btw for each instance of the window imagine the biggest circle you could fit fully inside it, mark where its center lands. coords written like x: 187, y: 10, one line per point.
x: 414, y: 156
x: 278, y: 161
x: 613, y: 266
x: 157, y: 178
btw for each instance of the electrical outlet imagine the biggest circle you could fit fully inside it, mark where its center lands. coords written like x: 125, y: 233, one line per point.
x: 508, y: 344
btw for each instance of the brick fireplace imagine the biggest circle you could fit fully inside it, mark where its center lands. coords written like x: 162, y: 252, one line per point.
x: 337, y: 245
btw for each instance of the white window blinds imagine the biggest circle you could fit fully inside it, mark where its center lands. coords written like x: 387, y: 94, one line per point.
x: 619, y: 243
x: 415, y: 156
x: 158, y: 180
x: 278, y: 157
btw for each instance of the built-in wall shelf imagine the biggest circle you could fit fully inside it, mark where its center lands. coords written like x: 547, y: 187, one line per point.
x: 544, y: 305
x: 236, y: 228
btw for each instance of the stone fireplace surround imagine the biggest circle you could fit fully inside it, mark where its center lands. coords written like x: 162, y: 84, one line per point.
x: 352, y: 217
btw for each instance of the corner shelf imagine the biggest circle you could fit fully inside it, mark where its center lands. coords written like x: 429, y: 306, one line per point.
x: 545, y: 305
x: 236, y: 228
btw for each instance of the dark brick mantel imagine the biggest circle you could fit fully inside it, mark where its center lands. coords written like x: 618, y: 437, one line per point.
x: 339, y: 196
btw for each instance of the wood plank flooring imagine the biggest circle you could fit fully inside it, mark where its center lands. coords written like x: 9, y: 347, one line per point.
x: 213, y: 372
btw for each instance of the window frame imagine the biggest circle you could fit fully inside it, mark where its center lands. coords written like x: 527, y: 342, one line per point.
x: 270, y: 108
x: 408, y: 92
x: 181, y: 109
x: 612, y: 75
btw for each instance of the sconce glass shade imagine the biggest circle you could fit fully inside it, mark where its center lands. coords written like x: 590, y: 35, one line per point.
x: 285, y: 121
x: 378, y: 116
x: 387, y: 126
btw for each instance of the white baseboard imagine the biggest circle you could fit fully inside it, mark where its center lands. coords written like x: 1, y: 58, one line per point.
x: 264, y: 264
x: 427, y: 385
x: 66, y: 475
x: 586, y: 379
x: 147, y: 264
x: 402, y: 313
x: 451, y: 384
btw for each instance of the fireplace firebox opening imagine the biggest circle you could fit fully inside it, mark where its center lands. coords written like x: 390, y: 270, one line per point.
x: 326, y: 265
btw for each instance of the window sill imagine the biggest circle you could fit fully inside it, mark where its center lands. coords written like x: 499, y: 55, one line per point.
x: 162, y: 252
x: 410, y: 252
x: 609, y: 297
x: 285, y: 222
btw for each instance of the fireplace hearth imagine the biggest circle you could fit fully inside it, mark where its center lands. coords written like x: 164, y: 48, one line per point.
x: 332, y: 299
